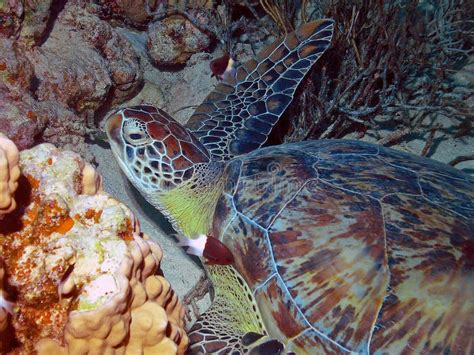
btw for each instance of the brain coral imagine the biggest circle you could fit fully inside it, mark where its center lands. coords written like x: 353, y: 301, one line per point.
x: 82, y: 277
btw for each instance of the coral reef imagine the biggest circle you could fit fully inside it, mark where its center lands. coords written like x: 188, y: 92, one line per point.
x: 62, y: 65
x: 136, y: 13
x: 81, y: 275
x: 174, y: 40
x: 11, y: 13
x: 35, y: 19
x: 9, y: 174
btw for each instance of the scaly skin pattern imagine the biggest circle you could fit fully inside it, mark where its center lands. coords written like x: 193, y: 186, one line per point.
x: 339, y: 246
x: 168, y: 165
x: 233, y: 314
x: 348, y: 246
x: 190, y: 206
x: 238, y: 115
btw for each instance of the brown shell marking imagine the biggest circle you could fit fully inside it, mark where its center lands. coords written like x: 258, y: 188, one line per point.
x: 251, y: 256
x: 276, y: 177
x: 157, y: 131
x: 312, y: 340
x: 341, y: 282
x: 139, y: 115
x: 429, y: 306
x: 274, y: 303
x: 374, y: 247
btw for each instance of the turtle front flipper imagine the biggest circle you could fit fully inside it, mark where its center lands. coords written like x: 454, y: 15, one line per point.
x: 238, y: 115
x: 233, y: 324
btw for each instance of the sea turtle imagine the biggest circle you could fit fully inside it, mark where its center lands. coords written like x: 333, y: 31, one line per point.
x: 338, y: 246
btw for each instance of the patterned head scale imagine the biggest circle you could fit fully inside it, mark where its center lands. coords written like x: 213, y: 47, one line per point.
x: 154, y: 150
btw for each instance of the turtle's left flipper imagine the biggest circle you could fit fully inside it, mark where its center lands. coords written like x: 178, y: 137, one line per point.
x: 239, y: 114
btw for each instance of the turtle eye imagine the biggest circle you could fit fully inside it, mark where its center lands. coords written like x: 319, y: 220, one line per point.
x: 135, y: 134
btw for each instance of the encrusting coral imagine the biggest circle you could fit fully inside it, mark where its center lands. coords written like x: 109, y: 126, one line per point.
x: 80, y: 275
x: 9, y: 174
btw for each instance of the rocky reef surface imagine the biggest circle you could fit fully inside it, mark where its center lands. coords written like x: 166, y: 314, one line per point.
x: 77, y: 274
x: 64, y: 65
x: 59, y: 66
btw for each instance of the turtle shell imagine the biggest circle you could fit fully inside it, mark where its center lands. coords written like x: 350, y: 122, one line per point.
x: 349, y: 246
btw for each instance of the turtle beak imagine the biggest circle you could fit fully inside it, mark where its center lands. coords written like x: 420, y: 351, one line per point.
x: 113, y: 127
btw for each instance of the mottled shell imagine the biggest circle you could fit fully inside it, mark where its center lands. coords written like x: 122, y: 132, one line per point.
x: 349, y: 246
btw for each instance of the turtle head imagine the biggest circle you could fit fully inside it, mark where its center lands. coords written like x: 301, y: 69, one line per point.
x: 166, y: 163
x: 154, y: 151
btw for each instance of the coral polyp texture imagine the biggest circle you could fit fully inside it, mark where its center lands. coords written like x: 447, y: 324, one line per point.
x: 9, y: 174
x: 81, y: 276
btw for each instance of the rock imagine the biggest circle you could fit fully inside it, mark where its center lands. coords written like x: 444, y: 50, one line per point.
x: 19, y: 118
x: 174, y: 40
x: 136, y: 13
x: 66, y: 129
x: 53, y: 92
x: 35, y: 20
x: 84, y: 63
x: 11, y: 13
x: 120, y: 58
x: 15, y: 70
x: 18, y: 109
x: 86, y: 279
x: 24, y: 119
x: 26, y: 21
x: 74, y: 75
